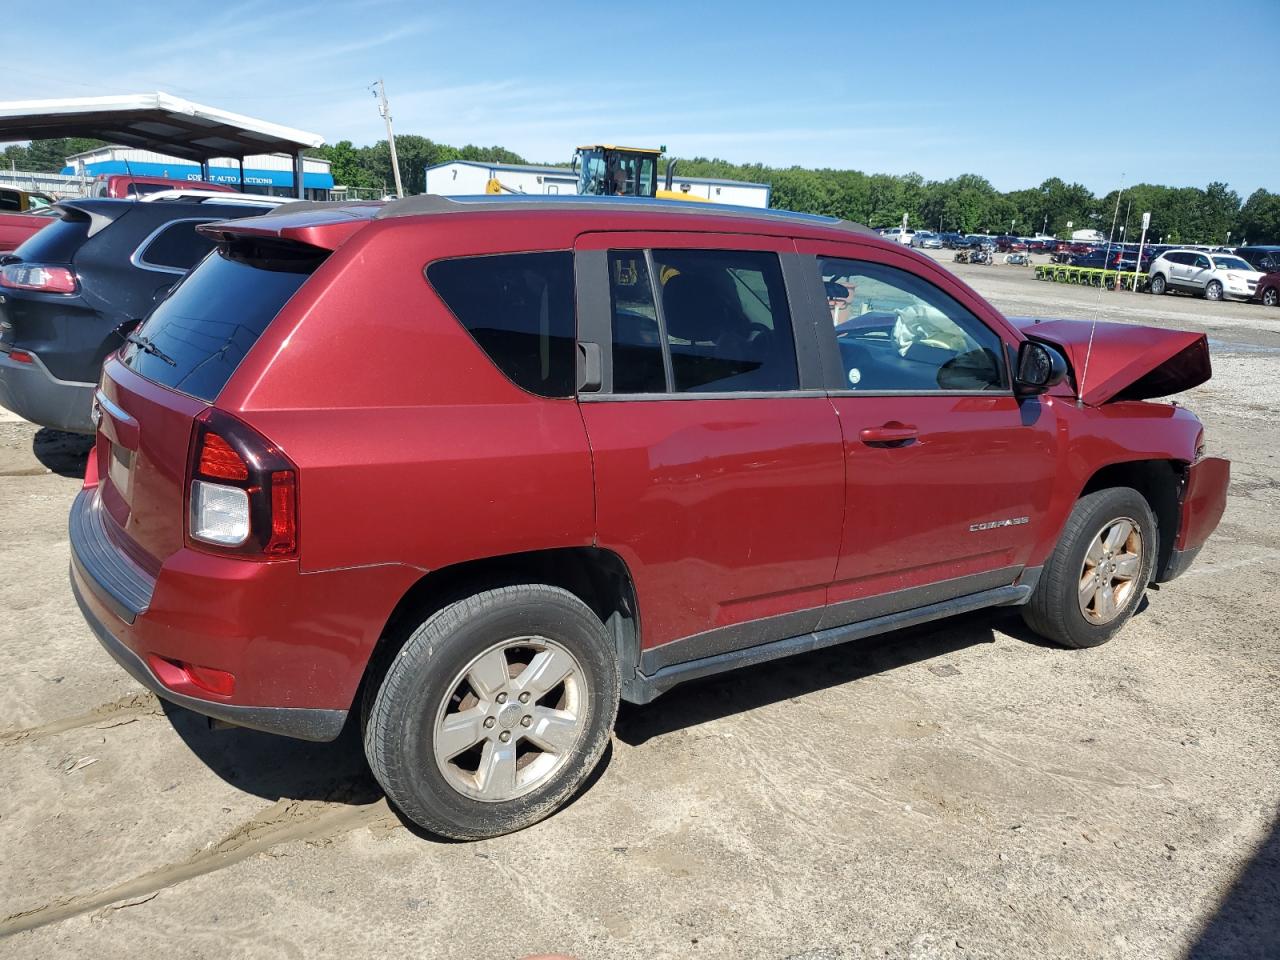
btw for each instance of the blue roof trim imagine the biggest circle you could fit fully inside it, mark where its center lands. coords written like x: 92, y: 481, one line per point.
x: 226, y: 175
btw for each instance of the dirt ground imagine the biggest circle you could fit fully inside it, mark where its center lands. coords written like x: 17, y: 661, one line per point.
x: 958, y: 790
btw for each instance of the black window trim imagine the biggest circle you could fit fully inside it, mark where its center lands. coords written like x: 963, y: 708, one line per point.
x: 138, y: 259
x: 834, y: 367
x: 595, y: 311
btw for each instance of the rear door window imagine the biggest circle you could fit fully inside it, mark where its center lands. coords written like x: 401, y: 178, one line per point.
x: 519, y: 308
x: 207, y: 325
x: 174, y: 248
x: 724, y: 325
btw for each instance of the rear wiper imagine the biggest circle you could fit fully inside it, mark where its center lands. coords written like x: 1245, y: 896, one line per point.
x: 149, y: 347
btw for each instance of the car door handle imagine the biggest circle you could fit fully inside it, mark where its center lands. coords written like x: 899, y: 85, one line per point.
x: 890, y: 433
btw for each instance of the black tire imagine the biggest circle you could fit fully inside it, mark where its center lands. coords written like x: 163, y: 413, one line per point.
x: 1054, y: 610
x: 1158, y: 284
x: 401, y: 719
x: 1213, y: 290
x: 1270, y: 297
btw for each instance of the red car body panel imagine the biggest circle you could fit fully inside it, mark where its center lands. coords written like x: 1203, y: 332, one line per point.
x: 675, y: 482
x: 1125, y: 359
x: 118, y: 185
x: 415, y: 454
x: 15, y: 228
x: 1203, y: 501
x: 910, y: 509
x: 1269, y: 281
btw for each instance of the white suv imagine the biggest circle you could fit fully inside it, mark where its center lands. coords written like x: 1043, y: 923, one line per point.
x: 1215, y: 275
x: 898, y: 235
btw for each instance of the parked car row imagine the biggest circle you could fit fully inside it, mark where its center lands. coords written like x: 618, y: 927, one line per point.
x: 72, y: 293
x: 23, y: 213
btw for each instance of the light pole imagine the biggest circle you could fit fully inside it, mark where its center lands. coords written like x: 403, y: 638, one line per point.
x: 385, y: 109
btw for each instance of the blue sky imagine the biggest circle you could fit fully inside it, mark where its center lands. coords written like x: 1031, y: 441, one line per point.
x: 1172, y: 92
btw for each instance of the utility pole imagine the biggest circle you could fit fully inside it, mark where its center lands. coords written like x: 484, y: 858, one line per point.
x: 385, y: 110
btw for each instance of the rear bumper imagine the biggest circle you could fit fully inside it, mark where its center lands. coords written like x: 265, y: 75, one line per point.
x: 296, y: 643
x: 35, y: 394
x: 301, y: 722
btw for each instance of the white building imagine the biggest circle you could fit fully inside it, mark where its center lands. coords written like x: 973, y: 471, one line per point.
x: 740, y: 193
x: 462, y: 178
x: 466, y: 178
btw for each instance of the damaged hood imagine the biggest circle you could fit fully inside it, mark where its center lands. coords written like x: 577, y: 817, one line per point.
x: 1128, y: 361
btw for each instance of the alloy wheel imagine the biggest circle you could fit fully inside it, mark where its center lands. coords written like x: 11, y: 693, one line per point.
x: 511, y: 719
x: 1109, y: 575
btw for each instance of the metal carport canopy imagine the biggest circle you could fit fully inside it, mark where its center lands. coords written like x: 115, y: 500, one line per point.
x: 159, y: 122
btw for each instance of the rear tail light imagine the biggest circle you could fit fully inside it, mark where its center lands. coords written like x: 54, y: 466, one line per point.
x: 21, y: 356
x: 38, y: 277
x: 242, y: 491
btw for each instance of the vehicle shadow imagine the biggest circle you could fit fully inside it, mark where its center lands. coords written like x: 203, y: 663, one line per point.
x: 276, y: 767
x: 1247, y: 923
x: 720, y: 696
x: 66, y: 454
x: 282, y: 768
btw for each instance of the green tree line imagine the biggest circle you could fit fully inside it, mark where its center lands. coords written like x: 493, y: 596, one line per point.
x: 966, y: 204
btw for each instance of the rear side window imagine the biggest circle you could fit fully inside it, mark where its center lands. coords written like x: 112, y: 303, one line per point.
x: 519, y: 308
x: 724, y: 326
x: 175, y: 248
x: 204, y: 328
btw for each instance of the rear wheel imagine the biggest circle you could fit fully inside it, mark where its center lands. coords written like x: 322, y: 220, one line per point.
x: 1213, y: 290
x: 1158, y: 285
x: 1098, y: 572
x: 494, y: 712
x: 1270, y: 297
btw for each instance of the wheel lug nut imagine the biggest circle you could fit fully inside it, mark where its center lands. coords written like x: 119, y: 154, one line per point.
x: 501, y: 698
x: 524, y: 697
x: 504, y: 736
x: 525, y: 721
x: 488, y: 721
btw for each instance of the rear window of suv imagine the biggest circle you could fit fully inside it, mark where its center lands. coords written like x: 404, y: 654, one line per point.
x: 210, y: 320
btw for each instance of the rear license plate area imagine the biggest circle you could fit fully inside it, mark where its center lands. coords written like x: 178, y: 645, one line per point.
x: 120, y: 469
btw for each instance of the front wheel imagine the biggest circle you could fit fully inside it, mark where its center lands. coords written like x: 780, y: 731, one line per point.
x: 1213, y: 290
x: 494, y: 711
x: 1158, y: 284
x: 1098, y: 572
x: 1270, y: 297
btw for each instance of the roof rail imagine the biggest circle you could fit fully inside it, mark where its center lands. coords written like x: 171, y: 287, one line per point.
x: 430, y: 203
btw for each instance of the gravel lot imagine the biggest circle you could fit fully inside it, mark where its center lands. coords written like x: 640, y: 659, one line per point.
x: 951, y: 791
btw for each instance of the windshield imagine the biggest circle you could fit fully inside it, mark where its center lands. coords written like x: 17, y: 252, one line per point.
x: 207, y: 325
x: 1230, y: 263
x: 591, y: 177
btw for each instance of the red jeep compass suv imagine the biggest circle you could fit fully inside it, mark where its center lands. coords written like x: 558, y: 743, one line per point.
x: 476, y: 470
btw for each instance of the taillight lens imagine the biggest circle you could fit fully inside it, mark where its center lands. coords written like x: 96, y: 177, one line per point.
x: 242, y: 491
x: 38, y: 277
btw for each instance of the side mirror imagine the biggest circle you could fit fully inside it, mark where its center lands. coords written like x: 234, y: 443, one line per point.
x: 1039, y: 367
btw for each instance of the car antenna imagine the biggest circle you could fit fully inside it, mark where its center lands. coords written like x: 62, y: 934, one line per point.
x: 1097, y: 310
x: 129, y: 170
